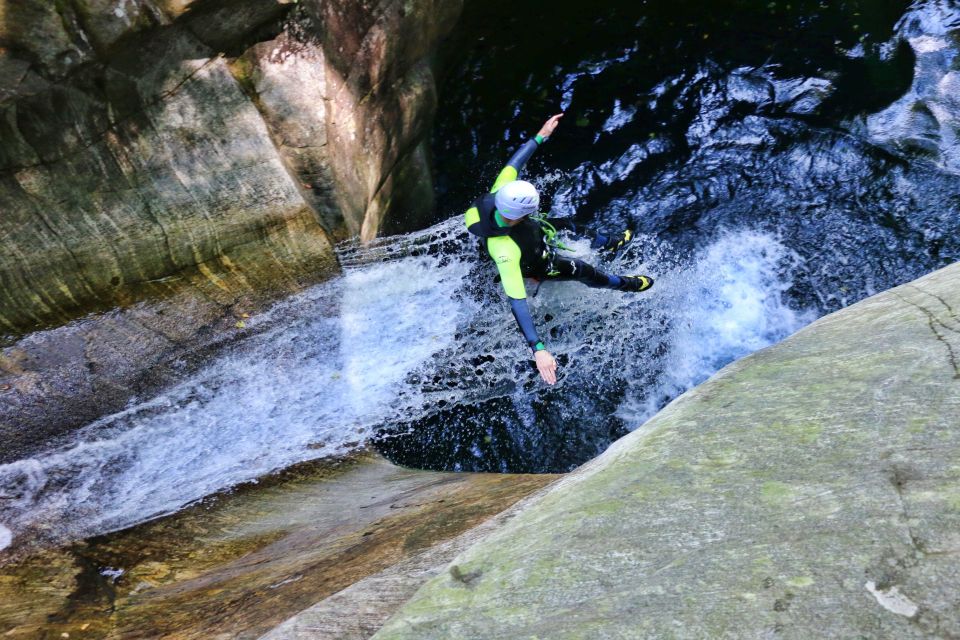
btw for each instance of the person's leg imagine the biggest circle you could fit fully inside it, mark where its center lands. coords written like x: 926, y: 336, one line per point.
x: 575, y: 269
x: 611, y: 244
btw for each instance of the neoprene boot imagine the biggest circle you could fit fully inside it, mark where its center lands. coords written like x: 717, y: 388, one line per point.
x: 635, y: 283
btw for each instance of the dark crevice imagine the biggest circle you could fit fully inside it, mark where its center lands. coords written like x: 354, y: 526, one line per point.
x: 946, y: 304
x: 898, y: 479
x: 933, y: 322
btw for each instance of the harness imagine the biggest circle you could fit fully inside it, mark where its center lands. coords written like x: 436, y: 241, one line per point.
x: 486, y: 207
x: 549, y: 239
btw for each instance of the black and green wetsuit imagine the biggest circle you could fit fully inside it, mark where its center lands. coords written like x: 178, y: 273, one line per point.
x: 526, y: 250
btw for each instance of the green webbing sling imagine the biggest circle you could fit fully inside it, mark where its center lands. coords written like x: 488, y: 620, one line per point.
x: 549, y: 232
x: 550, y: 239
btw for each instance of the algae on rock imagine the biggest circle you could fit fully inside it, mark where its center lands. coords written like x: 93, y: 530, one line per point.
x: 243, y: 561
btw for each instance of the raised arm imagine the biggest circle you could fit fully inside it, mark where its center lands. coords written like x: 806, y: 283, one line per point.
x: 515, y: 165
x: 518, y: 160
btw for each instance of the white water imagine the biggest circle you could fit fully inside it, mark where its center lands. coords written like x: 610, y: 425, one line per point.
x: 726, y: 305
x: 322, y: 371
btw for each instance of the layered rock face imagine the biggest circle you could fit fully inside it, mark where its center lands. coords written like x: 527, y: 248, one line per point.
x: 809, y: 490
x: 185, y: 161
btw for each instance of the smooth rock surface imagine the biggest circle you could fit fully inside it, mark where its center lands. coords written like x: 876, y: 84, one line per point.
x: 164, y: 152
x: 809, y: 490
x: 358, y: 611
x: 242, y: 562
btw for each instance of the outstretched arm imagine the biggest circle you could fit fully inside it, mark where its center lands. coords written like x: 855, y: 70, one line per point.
x: 518, y: 160
x: 546, y: 364
x: 516, y: 163
x: 506, y: 254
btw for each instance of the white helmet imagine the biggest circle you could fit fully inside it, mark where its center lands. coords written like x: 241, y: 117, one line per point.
x: 517, y: 199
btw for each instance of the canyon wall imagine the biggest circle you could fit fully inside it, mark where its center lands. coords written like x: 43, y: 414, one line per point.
x: 167, y: 166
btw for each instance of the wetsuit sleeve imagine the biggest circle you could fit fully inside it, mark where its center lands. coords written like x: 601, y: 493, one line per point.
x: 516, y: 163
x: 521, y: 313
x: 471, y: 217
x: 506, y: 254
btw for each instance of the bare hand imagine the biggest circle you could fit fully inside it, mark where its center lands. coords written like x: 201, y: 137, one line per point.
x: 550, y: 126
x: 546, y: 365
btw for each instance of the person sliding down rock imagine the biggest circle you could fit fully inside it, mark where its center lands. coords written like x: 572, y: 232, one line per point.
x: 523, y: 243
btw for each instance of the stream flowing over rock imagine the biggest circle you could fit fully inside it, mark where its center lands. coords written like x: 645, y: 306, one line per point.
x: 252, y: 364
x: 177, y: 164
x: 808, y: 490
x: 241, y: 562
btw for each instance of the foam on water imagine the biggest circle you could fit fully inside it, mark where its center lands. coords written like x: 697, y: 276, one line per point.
x: 394, y: 317
x: 728, y: 304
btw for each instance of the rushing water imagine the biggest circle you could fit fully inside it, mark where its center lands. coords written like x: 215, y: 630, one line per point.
x: 771, y: 160
x: 780, y: 161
